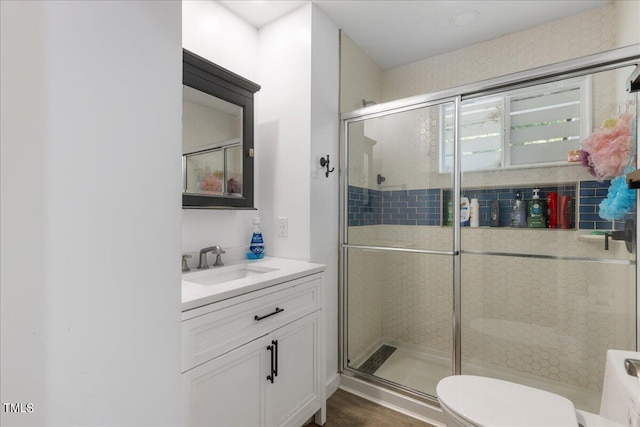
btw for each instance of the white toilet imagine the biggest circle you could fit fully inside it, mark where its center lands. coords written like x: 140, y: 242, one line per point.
x: 473, y: 401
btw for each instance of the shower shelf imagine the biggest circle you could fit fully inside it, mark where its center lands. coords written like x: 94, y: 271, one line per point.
x: 587, y: 236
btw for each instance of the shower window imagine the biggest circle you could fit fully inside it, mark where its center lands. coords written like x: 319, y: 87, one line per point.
x: 536, y: 126
x: 481, y: 134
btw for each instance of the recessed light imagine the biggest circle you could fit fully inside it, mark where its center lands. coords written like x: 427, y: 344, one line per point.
x: 465, y: 18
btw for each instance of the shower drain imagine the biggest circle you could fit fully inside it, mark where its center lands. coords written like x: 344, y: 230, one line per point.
x: 377, y: 359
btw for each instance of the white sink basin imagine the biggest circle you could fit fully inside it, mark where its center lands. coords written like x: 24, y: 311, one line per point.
x: 217, y: 275
x: 202, y: 287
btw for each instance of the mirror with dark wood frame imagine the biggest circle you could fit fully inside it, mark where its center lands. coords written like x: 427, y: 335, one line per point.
x: 217, y: 136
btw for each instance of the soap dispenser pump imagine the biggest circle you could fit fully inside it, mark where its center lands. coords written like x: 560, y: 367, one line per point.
x: 536, y: 214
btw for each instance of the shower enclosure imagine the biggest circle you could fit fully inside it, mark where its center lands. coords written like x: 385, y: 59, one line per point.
x: 426, y: 295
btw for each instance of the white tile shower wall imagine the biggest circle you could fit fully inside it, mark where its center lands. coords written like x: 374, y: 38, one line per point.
x: 364, y: 77
x: 557, y: 326
x: 200, y: 128
x: 551, y: 319
x: 418, y: 294
x: 404, y: 149
x: 365, y: 303
x: 388, y: 296
x: 573, y: 37
x: 590, y: 32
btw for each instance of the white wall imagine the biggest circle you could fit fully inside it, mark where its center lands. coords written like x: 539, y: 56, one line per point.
x: 217, y: 34
x: 90, y: 228
x: 22, y: 134
x: 295, y: 60
x: 325, y: 85
x: 214, y: 32
x: 283, y: 131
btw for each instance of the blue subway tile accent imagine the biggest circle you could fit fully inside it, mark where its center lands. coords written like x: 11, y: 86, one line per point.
x: 590, y: 200
x: 590, y: 217
x: 429, y: 206
x: 589, y: 184
x: 605, y: 225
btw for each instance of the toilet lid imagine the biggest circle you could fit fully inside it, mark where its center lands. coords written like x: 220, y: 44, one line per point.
x: 489, y: 402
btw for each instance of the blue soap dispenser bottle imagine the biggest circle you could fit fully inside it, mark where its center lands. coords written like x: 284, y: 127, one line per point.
x: 256, y: 248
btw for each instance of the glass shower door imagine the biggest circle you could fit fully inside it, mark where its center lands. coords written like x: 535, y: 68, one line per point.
x: 397, y: 250
x: 544, y: 298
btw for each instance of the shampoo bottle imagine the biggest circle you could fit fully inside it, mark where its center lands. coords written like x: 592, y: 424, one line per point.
x: 464, y: 211
x: 552, y: 209
x: 537, y: 212
x: 256, y: 248
x: 519, y: 211
x: 449, y: 219
x: 565, y: 216
x: 474, y: 213
x: 494, y: 216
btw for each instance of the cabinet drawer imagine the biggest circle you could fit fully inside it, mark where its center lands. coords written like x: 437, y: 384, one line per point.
x: 225, y: 328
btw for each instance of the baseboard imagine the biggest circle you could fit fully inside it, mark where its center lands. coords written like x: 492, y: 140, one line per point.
x: 392, y: 400
x: 333, y: 384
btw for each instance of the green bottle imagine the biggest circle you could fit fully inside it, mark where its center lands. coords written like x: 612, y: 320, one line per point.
x: 537, y: 212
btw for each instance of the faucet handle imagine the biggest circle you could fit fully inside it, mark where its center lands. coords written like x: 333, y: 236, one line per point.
x: 219, y: 251
x: 185, y: 267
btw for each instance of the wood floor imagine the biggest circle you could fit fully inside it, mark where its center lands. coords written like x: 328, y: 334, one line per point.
x: 348, y: 410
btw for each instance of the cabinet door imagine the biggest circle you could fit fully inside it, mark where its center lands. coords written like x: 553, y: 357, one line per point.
x: 228, y: 390
x: 295, y: 394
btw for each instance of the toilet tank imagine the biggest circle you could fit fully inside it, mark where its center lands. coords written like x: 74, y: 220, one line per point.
x: 620, y: 391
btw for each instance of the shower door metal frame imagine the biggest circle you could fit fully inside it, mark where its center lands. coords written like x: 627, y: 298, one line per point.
x: 604, y: 61
x: 423, y: 102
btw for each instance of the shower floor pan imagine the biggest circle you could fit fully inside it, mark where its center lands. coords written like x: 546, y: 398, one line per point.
x: 421, y: 371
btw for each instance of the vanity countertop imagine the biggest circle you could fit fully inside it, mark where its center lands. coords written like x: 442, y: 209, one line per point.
x: 276, y: 270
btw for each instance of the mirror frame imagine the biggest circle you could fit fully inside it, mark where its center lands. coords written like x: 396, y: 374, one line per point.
x: 205, y: 76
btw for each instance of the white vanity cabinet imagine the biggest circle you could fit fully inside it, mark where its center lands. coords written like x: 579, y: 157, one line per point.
x: 255, y: 359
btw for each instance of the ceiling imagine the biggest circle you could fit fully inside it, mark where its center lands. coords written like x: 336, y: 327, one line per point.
x: 398, y: 32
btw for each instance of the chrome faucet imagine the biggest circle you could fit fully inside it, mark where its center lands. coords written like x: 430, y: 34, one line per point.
x: 185, y: 267
x: 217, y: 250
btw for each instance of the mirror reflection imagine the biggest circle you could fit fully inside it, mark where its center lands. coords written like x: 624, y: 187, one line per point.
x: 211, y: 145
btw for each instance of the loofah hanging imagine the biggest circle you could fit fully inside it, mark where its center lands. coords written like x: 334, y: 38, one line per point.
x: 606, y: 151
x: 620, y: 199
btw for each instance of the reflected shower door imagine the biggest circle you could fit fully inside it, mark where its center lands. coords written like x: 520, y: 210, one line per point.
x: 397, y: 252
